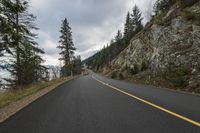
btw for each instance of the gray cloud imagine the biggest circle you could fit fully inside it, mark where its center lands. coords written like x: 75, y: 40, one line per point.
x: 93, y: 22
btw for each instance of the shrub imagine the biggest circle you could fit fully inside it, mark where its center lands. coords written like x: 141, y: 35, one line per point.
x: 189, y: 15
x: 134, y: 70
x: 186, y: 3
x: 113, y: 74
x: 183, y: 70
x: 121, y: 76
x: 177, y: 76
x: 144, y: 65
x: 159, y: 18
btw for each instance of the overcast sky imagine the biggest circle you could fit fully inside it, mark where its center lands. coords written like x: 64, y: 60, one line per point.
x: 94, y: 23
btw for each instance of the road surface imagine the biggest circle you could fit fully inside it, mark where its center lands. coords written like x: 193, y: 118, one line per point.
x: 91, y: 104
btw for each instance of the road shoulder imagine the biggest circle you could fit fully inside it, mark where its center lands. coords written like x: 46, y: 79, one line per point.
x: 11, y: 109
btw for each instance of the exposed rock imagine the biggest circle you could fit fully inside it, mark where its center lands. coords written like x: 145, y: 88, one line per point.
x: 175, y: 46
x: 196, y: 28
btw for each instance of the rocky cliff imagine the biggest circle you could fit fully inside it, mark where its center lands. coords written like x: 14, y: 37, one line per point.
x: 166, y: 53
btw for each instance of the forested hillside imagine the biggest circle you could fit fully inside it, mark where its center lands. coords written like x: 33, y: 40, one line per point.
x: 165, y: 53
x: 133, y: 25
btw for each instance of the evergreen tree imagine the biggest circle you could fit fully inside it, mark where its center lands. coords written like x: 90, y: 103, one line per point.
x: 162, y: 6
x: 133, y: 24
x: 18, y: 37
x: 136, y: 20
x: 31, y: 65
x: 77, y: 65
x: 5, y: 27
x: 112, y: 41
x: 127, y: 28
x: 119, y: 36
x: 66, y: 46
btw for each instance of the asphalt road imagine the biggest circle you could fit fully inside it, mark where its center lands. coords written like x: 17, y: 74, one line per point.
x: 85, y: 105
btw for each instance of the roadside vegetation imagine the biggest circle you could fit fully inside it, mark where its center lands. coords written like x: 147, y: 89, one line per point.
x: 25, y: 64
x: 11, y: 96
x: 21, y: 55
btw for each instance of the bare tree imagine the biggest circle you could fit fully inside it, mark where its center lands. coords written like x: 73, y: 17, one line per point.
x: 55, y: 72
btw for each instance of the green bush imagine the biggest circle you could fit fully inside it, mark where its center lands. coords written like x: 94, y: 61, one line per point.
x: 186, y: 3
x: 188, y: 15
x: 180, y: 81
x: 159, y: 18
x: 134, y: 70
x: 144, y: 65
x: 121, y: 76
x: 113, y: 74
x: 183, y: 70
x: 177, y: 76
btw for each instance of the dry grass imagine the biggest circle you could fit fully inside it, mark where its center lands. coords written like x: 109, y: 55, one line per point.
x: 11, y: 96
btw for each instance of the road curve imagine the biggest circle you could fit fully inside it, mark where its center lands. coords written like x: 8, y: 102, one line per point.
x: 85, y: 105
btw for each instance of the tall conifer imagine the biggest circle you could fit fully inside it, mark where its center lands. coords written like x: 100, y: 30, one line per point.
x: 67, y: 47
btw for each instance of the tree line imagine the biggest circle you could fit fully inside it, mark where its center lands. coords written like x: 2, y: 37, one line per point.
x: 17, y: 41
x: 132, y: 26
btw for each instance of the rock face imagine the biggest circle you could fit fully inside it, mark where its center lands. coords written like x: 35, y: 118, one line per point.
x: 171, y: 50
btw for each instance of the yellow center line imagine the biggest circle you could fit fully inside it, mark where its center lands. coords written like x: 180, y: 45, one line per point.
x: 151, y: 104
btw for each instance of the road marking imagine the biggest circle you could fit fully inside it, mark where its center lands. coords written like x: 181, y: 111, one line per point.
x: 150, y: 103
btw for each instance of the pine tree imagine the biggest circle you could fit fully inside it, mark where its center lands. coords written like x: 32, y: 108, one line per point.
x: 5, y: 27
x: 156, y: 7
x: 112, y: 41
x: 127, y: 28
x: 66, y: 46
x: 77, y: 65
x: 119, y: 36
x: 18, y: 35
x: 136, y: 20
x: 133, y: 24
x: 31, y: 67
